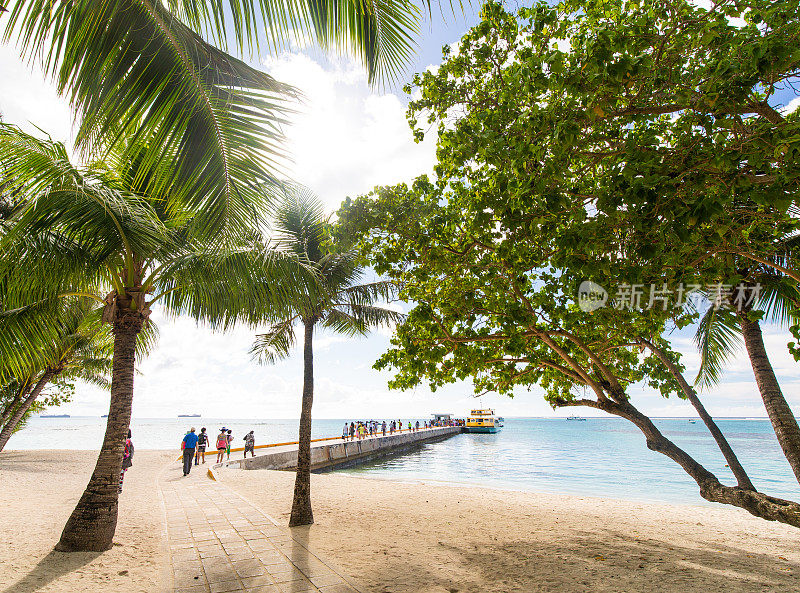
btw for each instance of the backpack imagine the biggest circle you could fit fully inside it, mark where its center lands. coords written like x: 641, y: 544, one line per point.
x: 127, y: 461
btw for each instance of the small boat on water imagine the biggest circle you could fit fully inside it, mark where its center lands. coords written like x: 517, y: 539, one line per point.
x: 576, y: 418
x: 483, y: 421
x: 692, y: 421
x: 104, y: 416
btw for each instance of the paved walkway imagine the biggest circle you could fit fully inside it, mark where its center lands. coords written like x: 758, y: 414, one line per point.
x: 220, y: 543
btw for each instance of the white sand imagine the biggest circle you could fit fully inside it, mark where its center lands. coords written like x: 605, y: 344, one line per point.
x: 391, y: 537
x: 403, y: 537
x: 39, y: 491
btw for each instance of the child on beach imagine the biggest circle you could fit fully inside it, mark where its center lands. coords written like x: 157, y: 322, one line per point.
x: 127, y: 459
x: 228, y: 448
x: 222, y: 444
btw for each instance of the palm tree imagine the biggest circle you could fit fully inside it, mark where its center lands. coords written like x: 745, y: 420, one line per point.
x: 82, y: 351
x: 101, y: 236
x: 723, y: 329
x: 338, y: 302
x: 140, y: 68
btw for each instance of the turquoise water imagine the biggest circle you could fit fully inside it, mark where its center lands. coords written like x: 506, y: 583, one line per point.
x: 599, y: 457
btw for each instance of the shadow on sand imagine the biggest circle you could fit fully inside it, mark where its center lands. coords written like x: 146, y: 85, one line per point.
x: 50, y: 568
x: 593, y: 561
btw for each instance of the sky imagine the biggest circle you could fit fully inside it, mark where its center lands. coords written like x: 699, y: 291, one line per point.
x: 345, y: 139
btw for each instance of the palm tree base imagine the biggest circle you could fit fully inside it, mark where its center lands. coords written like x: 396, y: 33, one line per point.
x: 91, y: 526
x: 302, y: 516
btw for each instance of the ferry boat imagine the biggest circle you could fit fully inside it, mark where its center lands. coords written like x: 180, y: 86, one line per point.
x: 483, y: 421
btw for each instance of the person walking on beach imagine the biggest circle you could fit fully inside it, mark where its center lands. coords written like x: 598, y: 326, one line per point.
x: 416, y: 426
x: 202, y: 443
x: 250, y: 444
x: 189, y: 445
x: 352, y: 431
x: 222, y: 444
x: 127, y: 459
x: 228, y: 448
x: 383, y: 427
x: 345, y: 431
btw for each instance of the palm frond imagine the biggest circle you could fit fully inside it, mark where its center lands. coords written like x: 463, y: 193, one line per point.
x: 300, y: 224
x: 342, y: 322
x: 275, y: 344
x: 90, y: 213
x: 210, y: 124
x: 224, y: 287
x: 780, y: 301
x: 364, y: 294
x: 717, y: 339
x: 378, y: 32
x: 372, y: 316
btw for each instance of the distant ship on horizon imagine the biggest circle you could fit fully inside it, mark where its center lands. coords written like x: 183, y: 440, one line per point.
x: 189, y: 415
x: 54, y: 416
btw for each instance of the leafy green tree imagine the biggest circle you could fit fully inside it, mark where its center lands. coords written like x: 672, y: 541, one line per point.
x: 100, y: 236
x: 629, y: 143
x: 493, y: 306
x: 660, y: 115
x: 159, y: 72
x: 338, y: 302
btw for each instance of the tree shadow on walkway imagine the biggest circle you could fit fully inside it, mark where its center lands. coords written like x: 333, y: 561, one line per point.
x: 50, y: 568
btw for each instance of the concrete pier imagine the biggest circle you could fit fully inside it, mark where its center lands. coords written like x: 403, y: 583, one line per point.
x: 338, y: 453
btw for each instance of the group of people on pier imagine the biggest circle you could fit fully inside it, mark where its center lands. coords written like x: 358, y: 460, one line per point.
x: 361, y: 429
x: 194, y: 446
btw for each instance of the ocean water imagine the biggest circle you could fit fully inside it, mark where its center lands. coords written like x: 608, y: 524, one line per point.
x: 604, y: 457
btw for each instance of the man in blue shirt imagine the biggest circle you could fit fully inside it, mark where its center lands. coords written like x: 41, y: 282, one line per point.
x: 189, y: 445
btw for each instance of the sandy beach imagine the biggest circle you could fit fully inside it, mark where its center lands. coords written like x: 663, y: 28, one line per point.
x: 404, y: 537
x: 40, y: 489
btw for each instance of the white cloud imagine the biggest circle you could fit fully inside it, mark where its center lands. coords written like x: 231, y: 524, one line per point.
x: 347, y: 138
x: 792, y: 106
x: 28, y: 100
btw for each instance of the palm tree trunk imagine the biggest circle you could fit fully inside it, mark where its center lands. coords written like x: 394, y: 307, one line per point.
x: 301, y: 504
x: 780, y: 414
x: 93, y: 522
x: 11, y: 423
x: 22, y: 392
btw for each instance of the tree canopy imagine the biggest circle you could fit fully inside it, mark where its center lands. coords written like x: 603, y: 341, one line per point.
x: 630, y: 144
